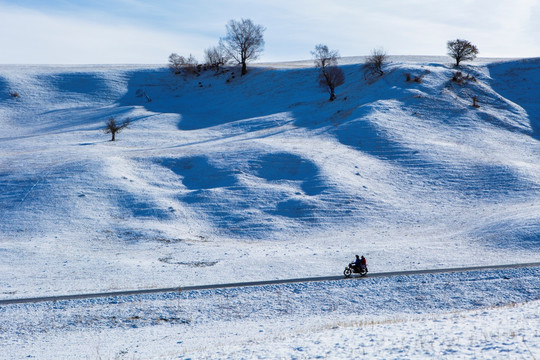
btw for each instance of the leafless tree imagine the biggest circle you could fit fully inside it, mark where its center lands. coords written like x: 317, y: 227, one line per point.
x: 244, y: 41
x: 112, y: 127
x: 178, y: 63
x: 216, y: 56
x: 324, y: 57
x: 331, y: 78
x: 330, y: 75
x: 190, y: 67
x: 461, y: 50
x: 374, y: 63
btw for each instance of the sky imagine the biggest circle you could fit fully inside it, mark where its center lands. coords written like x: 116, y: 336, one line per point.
x: 147, y: 32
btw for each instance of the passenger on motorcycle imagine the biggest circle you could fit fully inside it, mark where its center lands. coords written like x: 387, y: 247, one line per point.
x: 360, y: 263
x: 363, y: 262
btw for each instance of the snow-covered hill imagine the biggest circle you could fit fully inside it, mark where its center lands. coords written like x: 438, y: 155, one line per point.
x: 226, y: 178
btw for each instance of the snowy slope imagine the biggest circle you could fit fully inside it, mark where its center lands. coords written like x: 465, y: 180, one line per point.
x: 260, y: 177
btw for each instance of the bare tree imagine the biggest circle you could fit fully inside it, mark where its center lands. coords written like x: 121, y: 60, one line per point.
x: 461, y: 50
x: 113, y: 128
x: 178, y: 63
x: 331, y: 78
x: 330, y: 75
x: 324, y: 57
x: 375, y: 62
x: 216, y: 56
x: 190, y: 67
x: 244, y: 41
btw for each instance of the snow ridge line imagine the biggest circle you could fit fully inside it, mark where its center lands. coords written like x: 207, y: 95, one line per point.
x: 259, y: 283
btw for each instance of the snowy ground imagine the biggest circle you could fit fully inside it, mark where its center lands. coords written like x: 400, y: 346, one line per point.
x: 222, y: 178
x: 485, y: 315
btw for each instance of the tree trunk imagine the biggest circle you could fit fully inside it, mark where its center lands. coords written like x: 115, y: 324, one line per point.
x: 244, y: 68
x: 113, y: 133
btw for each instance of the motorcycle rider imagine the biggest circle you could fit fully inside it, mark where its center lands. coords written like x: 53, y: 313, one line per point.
x: 360, y: 264
x: 357, y: 263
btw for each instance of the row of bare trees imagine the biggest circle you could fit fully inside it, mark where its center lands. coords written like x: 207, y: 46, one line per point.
x: 331, y: 76
x: 243, y: 42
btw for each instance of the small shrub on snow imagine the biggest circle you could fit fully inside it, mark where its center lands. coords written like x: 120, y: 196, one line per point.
x: 179, y: 64
x: 460, y: 79
x: 411, y: 78
x: 475, y: 101
x: 216, y: 56
x: 14, y: 94
x: 457, y: 77
x: 141, y: 93
x: 191, y: 67
x: 374, y: 63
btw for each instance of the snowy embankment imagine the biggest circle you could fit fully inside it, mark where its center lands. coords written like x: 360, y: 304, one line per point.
x: 473, y: 314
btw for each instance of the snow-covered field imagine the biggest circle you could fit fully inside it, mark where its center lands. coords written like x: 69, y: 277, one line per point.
x: 475, y: 314
x: 222, y: 178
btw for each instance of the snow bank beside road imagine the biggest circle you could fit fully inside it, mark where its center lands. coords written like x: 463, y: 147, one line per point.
x: 325, y: 318
x: 503, y: 332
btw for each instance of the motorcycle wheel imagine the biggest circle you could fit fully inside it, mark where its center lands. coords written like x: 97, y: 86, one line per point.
x: 363, y: 272
x: 347, y: 272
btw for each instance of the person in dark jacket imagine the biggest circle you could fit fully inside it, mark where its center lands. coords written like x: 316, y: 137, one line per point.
x: 357, y: 263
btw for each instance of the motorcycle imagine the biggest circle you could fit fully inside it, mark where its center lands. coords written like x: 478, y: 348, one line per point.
x: 353, y: 269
